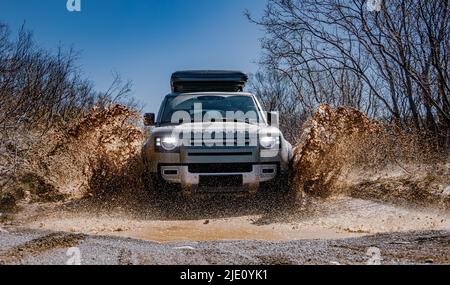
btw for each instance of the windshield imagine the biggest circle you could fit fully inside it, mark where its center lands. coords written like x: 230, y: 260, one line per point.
x: 226, y: 107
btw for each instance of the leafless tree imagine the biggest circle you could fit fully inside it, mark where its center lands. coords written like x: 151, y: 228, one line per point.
x: 275, y: 95
x: 392, y: 64
x: 38, y: 88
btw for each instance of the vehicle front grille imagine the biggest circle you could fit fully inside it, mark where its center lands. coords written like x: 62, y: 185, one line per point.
x: 215, y: 154
x: 222, y: 140
x: 220, y: 168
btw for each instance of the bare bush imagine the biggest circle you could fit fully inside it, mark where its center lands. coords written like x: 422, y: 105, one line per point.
x: 39, y: 89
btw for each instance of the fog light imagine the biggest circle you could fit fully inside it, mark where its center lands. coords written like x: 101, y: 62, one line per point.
x: 170, y: 172
x: 268, y: 171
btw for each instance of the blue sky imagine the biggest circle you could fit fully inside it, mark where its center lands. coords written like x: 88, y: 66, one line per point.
x: 144, y: 40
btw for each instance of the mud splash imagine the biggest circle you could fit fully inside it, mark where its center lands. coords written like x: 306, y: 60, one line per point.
x: 342, y: 151
x: 328, y: 146
x: 98, y: 154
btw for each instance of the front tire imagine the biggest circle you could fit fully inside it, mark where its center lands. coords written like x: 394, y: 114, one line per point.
x: 157, y: 187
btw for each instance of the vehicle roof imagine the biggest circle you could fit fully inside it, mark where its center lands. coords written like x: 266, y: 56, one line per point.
x: 208, y: 80
x: 218, y: 93
x: 209, y: 73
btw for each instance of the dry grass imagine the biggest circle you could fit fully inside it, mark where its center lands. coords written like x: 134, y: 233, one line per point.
x: 424, y: 187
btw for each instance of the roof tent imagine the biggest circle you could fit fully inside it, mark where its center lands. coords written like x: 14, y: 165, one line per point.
x: 208, y: 81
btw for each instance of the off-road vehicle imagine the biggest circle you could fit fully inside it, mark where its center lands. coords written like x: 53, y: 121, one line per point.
x: 211, y: 137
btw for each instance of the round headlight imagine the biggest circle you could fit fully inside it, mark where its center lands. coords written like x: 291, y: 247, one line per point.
x: 169, y: 143
x: 268, y: 142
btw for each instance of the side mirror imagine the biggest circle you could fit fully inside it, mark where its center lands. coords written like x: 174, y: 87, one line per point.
x: 273, y: 118
x: 149, y: 119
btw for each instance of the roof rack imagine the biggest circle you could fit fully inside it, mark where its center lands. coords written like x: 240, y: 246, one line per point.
x: 208, y: 81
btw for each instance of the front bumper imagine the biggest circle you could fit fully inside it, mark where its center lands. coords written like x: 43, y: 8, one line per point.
x: 226, y: 182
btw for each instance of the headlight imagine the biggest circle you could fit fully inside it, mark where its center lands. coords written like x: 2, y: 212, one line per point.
x: 269, y: 142
x: 167, y: 143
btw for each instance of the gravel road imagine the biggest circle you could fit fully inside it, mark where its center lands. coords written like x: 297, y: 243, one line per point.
x: 44, y: 247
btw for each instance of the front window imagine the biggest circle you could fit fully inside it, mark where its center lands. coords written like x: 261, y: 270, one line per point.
x: 200, y: 106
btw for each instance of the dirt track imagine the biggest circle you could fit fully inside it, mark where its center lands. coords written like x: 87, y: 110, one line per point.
x: 226, y: 231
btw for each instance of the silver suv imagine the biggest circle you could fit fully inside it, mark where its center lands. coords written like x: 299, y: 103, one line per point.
x: 211, y: 137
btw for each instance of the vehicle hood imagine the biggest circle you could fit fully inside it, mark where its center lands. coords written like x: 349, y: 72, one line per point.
x: 251, y: 129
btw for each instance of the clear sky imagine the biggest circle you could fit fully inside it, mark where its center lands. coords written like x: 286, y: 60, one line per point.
x: 144, y: 40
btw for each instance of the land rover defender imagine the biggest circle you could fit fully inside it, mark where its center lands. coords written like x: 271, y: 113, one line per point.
x: 211, y: 137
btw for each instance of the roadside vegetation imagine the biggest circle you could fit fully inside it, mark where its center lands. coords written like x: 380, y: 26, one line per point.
x: 48, y: 107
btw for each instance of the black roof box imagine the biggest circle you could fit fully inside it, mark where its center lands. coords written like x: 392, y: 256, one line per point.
x: 208, y: 81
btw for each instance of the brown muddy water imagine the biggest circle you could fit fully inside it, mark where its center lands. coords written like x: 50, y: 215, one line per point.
x: 333, y: 218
